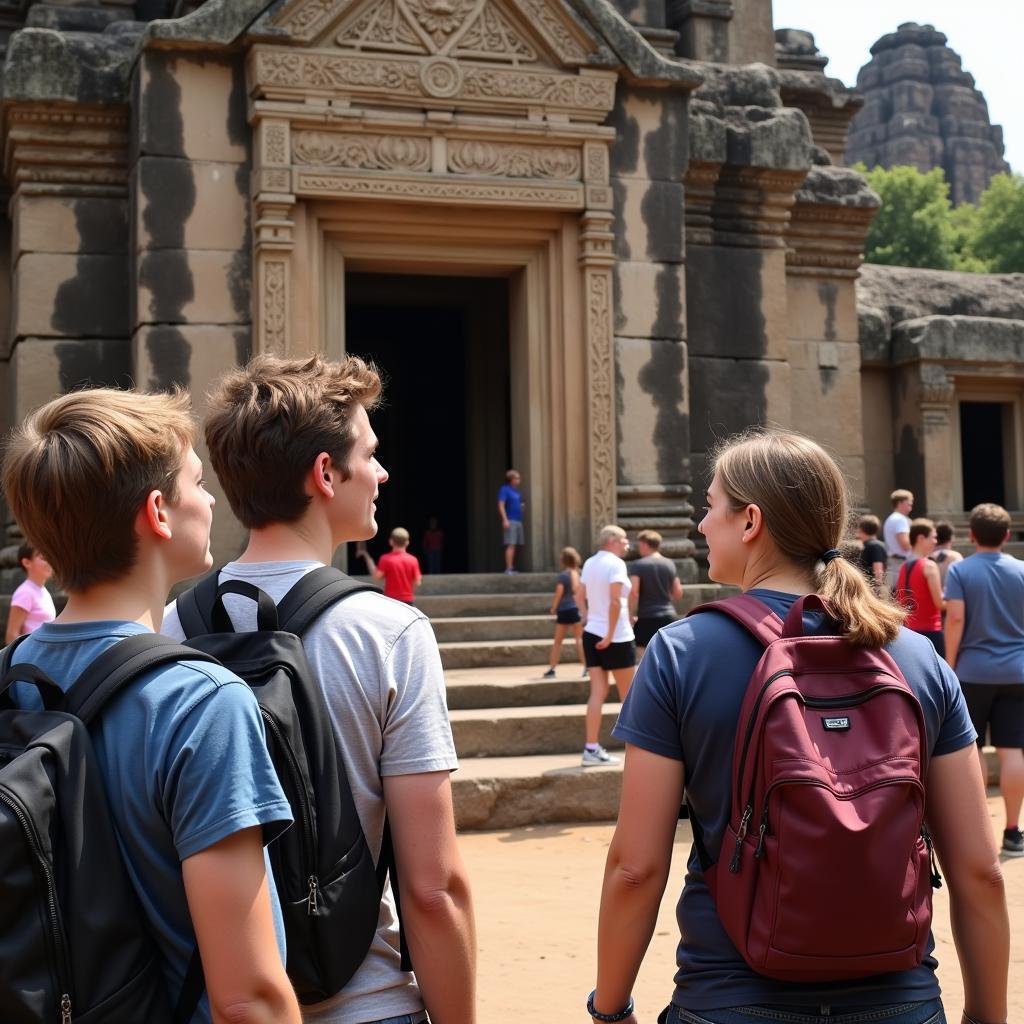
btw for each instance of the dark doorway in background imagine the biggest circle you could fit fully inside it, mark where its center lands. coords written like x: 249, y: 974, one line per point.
x: 442, y: 346
x: 982, y: 452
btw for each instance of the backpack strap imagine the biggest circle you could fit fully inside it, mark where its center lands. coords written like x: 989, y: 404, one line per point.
x: 50, y: 693
x: 195, y: 606
x: 313, y: 595
x: 753, y: 615
x: 118, y: 665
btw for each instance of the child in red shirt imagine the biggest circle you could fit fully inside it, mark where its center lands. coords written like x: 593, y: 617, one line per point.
x: 399, y: 570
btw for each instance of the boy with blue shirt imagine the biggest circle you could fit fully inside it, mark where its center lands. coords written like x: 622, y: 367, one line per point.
x: 985, y: 646
x: 106, y: 483
x: 510, y: 509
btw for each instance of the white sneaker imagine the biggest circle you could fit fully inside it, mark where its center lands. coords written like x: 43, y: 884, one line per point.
x: 598, y: 756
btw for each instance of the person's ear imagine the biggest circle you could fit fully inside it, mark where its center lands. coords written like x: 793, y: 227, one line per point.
x: 754, y: 522
x: 154, y: 515
x: 323, y: 476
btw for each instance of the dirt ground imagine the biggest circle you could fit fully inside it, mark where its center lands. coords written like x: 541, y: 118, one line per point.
x: 537, y: 890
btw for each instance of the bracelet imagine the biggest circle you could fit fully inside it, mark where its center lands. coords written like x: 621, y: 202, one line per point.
x: 610, y: 1018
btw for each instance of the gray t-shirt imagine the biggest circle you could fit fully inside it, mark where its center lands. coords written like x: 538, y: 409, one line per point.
x: 381, y: 672
x: 991, y: 585
x: 656, y: 574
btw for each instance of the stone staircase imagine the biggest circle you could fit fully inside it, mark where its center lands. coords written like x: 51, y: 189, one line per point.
x: 518, y: 735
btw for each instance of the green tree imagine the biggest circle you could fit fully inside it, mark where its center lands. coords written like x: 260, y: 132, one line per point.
x: 963, y: 220
x: 997, y: 238
x: 913, y: 228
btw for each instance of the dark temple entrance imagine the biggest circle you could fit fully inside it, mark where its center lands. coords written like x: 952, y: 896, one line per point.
x: 982, y: 451
x: 442, y: 345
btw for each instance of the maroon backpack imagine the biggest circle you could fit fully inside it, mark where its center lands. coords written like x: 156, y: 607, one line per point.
x: 826, y: 869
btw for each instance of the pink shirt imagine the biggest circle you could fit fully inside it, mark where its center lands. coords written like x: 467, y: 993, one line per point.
x: 37, y: 603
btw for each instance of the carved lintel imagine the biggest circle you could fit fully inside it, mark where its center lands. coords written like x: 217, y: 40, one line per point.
x: 597, y: 290
x: 937, y: 390
x: 83, y: 145
x: 506, y: 159
x: 361, y: 151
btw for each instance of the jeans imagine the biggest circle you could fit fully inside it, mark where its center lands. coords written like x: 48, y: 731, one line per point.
x: 929, y: 1012
x: 420, y: 1017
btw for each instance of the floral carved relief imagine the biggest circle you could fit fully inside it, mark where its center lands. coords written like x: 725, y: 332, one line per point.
x: 602, y: 425
x: 365, y: 152
x: 275, y: 305
x: 513, y: 161
x: 382, y: 25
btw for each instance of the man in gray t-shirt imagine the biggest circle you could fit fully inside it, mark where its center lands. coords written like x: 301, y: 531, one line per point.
x: 656, y: 587
x: 985, y: 646
x: 292, y: 445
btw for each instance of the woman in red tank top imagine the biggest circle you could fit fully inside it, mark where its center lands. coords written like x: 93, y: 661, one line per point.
x: 919, y: 586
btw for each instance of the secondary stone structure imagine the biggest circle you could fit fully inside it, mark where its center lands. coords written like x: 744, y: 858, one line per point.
x: 583, y: 238
x: 922, y: 108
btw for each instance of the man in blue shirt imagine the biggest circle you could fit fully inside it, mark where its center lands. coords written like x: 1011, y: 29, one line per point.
x: 510, y: 509
x: 106, y: 484
x: 985, y: 646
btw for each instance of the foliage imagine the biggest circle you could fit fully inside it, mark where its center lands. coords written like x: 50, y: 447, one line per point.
x: 918, y: 227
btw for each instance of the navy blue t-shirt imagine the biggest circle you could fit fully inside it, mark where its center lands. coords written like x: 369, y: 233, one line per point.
x: 684, y: 704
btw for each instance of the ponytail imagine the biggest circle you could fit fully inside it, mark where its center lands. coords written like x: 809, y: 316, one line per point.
x: 866, y: 619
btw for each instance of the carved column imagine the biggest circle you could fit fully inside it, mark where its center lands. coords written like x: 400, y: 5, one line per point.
x: 596, y: 261
x: 936, y: 395
x: 273, y: 236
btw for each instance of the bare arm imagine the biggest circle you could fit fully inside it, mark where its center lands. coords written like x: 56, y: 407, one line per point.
x: 955, y: 613
x: 878, y: 571
x: 634, y: 594
x: 636, y: 872
x: 677, y: 589
x: 371, y: 565
x: 15, y: 623
x: 903, y: 539
x: 437, y: 909
x: 229, y: 902
x: 557, y: 599
x: 502, y: 513
x: 932, y: 575
x: 581, y: 601
x: 959, y: 822
x: 614, y: 606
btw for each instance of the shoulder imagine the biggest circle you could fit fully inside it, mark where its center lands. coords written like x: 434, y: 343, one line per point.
x: 23, y: 593
x: 369, y: 619
x: 177, y: 690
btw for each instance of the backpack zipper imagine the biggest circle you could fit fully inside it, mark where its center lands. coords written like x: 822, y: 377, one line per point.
x: 848, y: 699
x: 306, y: 824
x: 59, y: 958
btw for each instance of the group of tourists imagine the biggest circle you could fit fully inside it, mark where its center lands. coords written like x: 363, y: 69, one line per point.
x: 273, y: 838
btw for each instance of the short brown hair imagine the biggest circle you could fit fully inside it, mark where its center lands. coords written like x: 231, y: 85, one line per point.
x: 78, y: 469
x: 920, y: 528
x: 570, y: 558
x: 990, y: 523
x: 943, y: 532
x: 270, y: 419
x: 802, y: 495
x: 869, y: 524
x: 900, y: 495
x: 650, y: 537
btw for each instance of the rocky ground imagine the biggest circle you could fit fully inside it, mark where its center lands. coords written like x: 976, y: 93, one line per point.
x: 537, y: 892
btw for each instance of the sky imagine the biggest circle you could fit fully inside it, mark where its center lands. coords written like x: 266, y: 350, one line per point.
x: 986, y: 33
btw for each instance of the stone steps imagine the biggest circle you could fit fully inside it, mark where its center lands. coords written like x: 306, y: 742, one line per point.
x: 516, y: 686
x: 527, y: 731
x: 493, y: 627
x: 487, y: 653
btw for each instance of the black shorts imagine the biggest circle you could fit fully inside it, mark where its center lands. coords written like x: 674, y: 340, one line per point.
x: 620, y: 655
x: 568, y: 618
x: 998, y: 707
x: 645, y: 628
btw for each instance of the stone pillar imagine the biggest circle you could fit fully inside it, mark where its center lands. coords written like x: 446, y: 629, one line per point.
x: 653, y: 404
x: 703, y: 27
x: 826, y: 235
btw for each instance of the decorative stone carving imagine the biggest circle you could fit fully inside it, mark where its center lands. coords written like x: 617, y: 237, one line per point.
x: 441, y: 77
x: 492, y: 36
x: 596, y: 172
x: 441, y: 18
x: 508, y: 159
x: 602, y: 402
x: 567, y: 46
x: 274, y: 312
x: 365, y: 152
x: 275, y: 144
x: 937, y: 389
x: 381, y: 26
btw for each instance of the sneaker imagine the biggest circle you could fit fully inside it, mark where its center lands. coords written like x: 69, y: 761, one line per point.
x: 1013, y: 842
x: 550, y: 674
x: 598, y: 756
x: 586, y: 672
x: 511, y: 572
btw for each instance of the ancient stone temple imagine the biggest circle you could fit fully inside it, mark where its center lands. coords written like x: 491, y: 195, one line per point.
x: 580, y: 237
x: 922, y: 108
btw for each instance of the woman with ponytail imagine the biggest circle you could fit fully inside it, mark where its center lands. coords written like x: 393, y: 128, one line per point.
x: 776, y: 515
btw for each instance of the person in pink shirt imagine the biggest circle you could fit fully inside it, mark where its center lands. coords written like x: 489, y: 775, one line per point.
x: 31, y: 604
x: 399, y: 570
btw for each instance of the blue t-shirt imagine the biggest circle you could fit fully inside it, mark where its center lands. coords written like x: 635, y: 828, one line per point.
x: 184, y: 765
x: 513, y: 502
x: 684, y: 704
x: 991, y: 585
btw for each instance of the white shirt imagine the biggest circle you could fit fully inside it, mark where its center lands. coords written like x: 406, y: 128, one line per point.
x: 600, y: 571
x: 895, y: 524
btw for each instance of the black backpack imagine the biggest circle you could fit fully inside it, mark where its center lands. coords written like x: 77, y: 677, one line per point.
x: 74, y: 943
x: 329, y: 886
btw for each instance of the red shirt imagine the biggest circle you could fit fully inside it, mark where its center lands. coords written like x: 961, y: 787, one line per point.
x: 925, y: 616
x: 401, y: 571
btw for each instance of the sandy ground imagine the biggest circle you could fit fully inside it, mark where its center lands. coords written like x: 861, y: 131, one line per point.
x: 537, y: 890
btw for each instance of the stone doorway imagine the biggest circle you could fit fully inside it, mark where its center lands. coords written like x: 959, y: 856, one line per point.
x: 982, y: 451
x: 442, y: 343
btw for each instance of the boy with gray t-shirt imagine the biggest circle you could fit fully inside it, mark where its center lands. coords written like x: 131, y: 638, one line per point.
x: 655, y: 587
x: 303, y: 424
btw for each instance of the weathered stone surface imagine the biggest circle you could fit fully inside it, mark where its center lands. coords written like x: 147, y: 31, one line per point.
x: 649, y: 220
x: 837, y: 186
x: 903, y: 293
x: 70, y: 224
x: 961, y: 338
x: 650, y: 300
x: 72, y: 19
x: 77, y: 67
x: 922, y: 109
x: 71, y: 295
x: 182, y: 286
x: 650, y: 135
x: 795, y: 49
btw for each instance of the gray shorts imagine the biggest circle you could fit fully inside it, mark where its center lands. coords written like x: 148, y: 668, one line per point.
x: 514, y: 532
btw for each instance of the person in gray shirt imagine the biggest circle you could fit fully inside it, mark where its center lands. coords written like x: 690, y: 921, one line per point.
x: 655, y: 587
x: 985, y: 647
